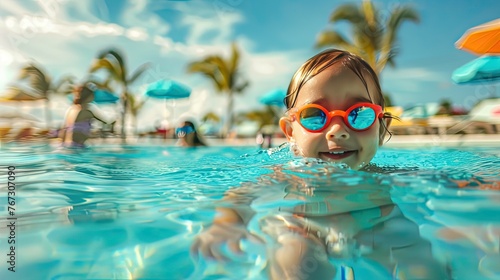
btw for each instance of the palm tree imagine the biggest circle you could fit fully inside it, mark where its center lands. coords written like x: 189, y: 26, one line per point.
x: 134, y: 106
x: 264, y: 117
x: 34, y: 83
x: 211, y: 116
x: 373, y: 37
x: 225, y: 76
x: 65, y: 85
x: 112, y: 61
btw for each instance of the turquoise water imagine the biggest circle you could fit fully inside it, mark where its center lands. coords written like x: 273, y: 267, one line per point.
x: 132, y: 212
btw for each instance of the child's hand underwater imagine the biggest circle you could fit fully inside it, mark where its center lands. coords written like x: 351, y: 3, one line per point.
x: 210, y: 243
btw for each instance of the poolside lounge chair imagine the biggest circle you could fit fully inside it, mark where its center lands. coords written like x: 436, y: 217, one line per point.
x: 483, y: 118
x: 406, y: 125
x: 441, y: 124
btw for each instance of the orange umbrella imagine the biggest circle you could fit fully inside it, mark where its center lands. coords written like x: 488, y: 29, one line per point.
x: 482, y: 39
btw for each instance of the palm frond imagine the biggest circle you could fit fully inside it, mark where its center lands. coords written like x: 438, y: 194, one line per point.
x: 347, y: 12
x: 138, y: 72
x: 235, y: 58
x: 372, y: 38
x: 222, y: 72
x: 64, y: 85
x: 399, y: 15
x: 36, y: 78
x: 333, y: 38
x: 209, y: 69
x: 99, y: 64
x: 116, y: 55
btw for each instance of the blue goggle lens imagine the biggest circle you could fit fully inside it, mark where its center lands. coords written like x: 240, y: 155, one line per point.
x: 359, y: 118
x: 313, y: 118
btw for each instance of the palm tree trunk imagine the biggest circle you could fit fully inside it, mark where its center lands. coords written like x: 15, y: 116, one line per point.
x: 134, y: 121
x: 229, y: 121
x: 48, y: 117
x: 124, y: 113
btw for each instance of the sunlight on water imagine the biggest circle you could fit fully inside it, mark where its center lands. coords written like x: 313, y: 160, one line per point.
x: 131, y: 212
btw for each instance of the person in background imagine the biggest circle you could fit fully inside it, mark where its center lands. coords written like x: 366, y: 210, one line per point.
x: 264, y: 137
x: 188, y: 135
x: 79, y: 116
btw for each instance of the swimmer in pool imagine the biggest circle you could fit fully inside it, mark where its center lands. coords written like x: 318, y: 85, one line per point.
x: 335, y: 114
x: 78, y: 119
x: 188, y: 135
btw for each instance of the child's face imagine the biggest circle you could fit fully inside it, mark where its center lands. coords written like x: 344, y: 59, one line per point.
x: 335, y: 89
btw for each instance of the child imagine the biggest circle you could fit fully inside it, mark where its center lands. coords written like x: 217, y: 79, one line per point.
x: 335, y: 114
x: 188, y: 135
x: 78, y: 119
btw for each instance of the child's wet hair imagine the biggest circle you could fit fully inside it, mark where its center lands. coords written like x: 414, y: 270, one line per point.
x: 322, y: 61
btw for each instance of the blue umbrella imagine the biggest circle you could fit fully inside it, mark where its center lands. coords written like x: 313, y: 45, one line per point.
x: 167, y: 89
x: 275, y: 97
x: 102, y: 96
x: 480, y: 70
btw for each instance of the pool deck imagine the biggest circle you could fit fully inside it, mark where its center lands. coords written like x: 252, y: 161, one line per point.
x: 456, y: 140
x: 464, y: 140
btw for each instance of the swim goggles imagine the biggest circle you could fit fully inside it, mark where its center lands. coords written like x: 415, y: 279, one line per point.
x: 186, y: 129
x: 359, y: 117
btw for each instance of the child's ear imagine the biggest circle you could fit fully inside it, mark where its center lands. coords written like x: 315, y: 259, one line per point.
x: 384, y: 129
x: 286, y: 127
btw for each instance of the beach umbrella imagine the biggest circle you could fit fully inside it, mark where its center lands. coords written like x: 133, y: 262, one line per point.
x: 485, y: 69
x: 19, y: 94
x: 105, y: 97
x: 102, y: 96
x: 168, y: 90
x: 482, y: 39
x: 274, y: 98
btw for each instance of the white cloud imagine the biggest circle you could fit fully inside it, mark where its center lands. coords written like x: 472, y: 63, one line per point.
x: 137, y: 34
x: 138, y: 14
x: 409, y: 80
x: 421, y: 74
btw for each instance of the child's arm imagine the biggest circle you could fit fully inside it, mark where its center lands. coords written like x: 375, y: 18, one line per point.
x: 229, y: 227
x: 99, y: 114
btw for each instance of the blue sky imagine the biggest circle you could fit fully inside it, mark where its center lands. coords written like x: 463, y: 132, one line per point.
x: 275, y: 37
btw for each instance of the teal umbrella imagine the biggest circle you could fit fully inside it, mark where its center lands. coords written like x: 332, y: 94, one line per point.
x: 274, y: 98
x: 167, y: 89
x: 485, y: 69
x: 102, y: 96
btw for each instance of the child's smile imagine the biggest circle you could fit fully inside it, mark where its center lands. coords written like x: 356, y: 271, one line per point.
x: 336, y: 154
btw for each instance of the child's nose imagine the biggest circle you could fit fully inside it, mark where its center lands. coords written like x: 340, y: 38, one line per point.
x: 337, y: 129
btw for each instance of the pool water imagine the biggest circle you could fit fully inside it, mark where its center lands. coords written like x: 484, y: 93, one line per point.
x: 132, y: 212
